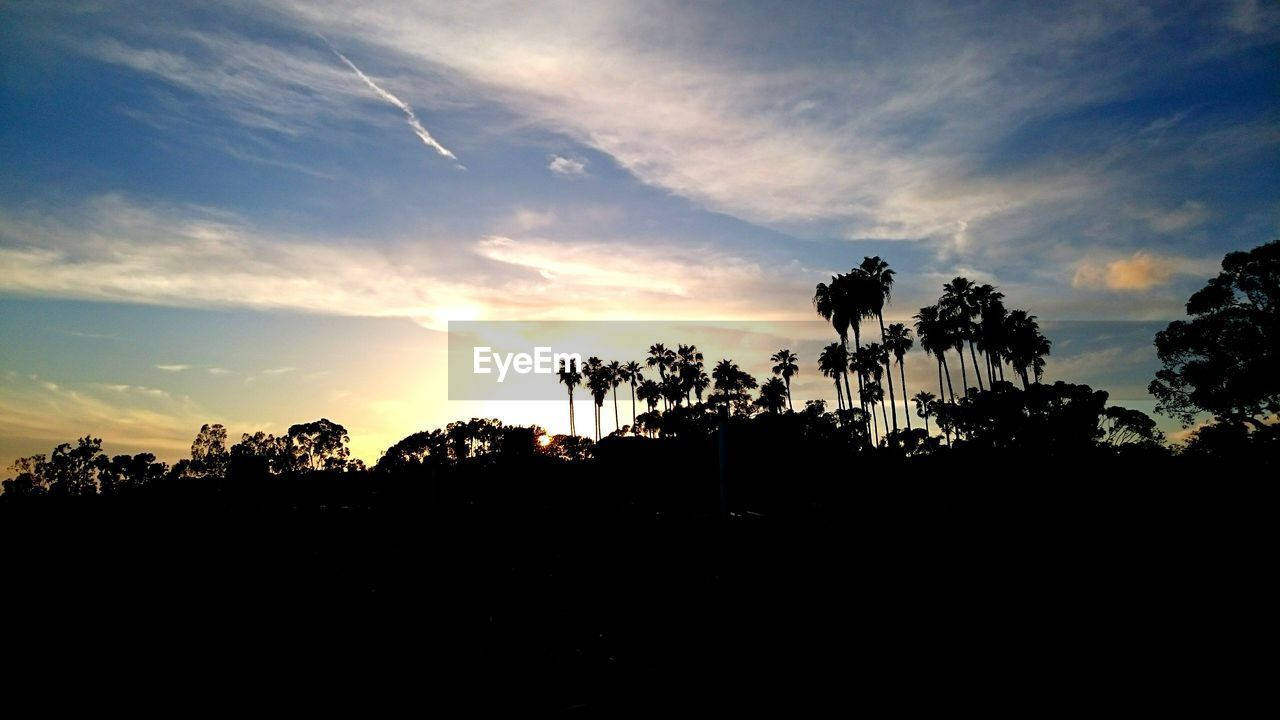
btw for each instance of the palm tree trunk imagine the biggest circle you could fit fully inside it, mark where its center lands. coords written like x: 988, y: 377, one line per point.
x: 875, y: 426
x: 789, y: 405
x: 888, y: 366
x: 964, y: 376
x: 884, y: 415
x: 633, y: 407
x: 926, y: 425
x: 616, y: 425
x: 976, y: 370
x: 950, y: 390
x: 906, y: 410
x: 572, y: 431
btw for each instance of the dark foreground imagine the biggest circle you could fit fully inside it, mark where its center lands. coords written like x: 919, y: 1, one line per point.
x: 618, y: 586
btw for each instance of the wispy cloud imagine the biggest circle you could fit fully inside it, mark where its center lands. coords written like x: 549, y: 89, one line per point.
x: 412, y: 117
x: 118, y: 250
x: 173, y: 368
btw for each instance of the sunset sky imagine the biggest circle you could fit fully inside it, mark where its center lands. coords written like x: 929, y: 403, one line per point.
x: 265, y: 213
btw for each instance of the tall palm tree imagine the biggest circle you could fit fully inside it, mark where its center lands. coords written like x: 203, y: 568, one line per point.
x: 631, y: 374
x: 873, y: 394
x: 832, y: 303
x: 991, y: 313
x: 958, y: 299
x: 935, y: 340
x: 832, y: 363
x: 598, y: 385
x: 880, y: 289
x: 871, y: 361
x: 1027, y: 348
x: 570, y: 377
x: 662, y: 358
x: 689, y: 366
x: 700, y: 384
x: 613, y: 371
x: 924, y: 407
x: 785, y: 365
x: 898, y: 341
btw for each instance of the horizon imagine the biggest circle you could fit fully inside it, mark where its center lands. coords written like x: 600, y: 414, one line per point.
x: 264, y: 216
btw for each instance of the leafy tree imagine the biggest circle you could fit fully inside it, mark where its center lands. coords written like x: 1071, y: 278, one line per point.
x: 1122, y: 426
x: 319, y: 445
x: 1224, y: 360
x: 209, y: 451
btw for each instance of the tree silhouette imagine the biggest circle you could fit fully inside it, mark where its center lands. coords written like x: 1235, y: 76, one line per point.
x: 661, y: 358
x: 935, y: 338
x: 958, y: 311
x: 1223, y: 360
x: 785, y: 366
x: 570, y: 377
x: 319, y: 445
x: 209, y: 451
x: 615, y: 374
x: 1025, y: 346
x: 632, y: 373
x: 773, y: 395
x: 879, y: 280
x: 833, y: 363
x: 924, y: 406
x: 898, y: 342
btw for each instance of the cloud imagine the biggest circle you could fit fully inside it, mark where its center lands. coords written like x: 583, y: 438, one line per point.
x: 173, y: 368
x: 1187, y: 215
x: 114, y: 249
x: 1140, y: 272
x: 278, y: 371
x: 567, y: 166
x: 221, y: 371
x: 414, y: 123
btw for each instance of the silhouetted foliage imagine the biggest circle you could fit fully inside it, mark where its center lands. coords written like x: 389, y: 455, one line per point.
x: 1223, y: 360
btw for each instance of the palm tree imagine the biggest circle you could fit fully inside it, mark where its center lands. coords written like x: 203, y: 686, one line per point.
x: 700, y: 384
x: 570, y: 377
x: 773, y: 395
x: 650, y: 393
x: 786, y: 367
x: 991, y: 314
x: 873, y: 394
x: 870, y: 362
x: 924, y: 407
x: 613, y: 372
x: 832, y: 364
x: 1027, y: 348
x: 898, y: 341
x: 598, y: 385
x: 832, y: 303
x: 661, y: 358
x: 631, y: 374
x: 935, y: 340
x: 880, y: 289
x: 958, y: 299
x: 689, y: 364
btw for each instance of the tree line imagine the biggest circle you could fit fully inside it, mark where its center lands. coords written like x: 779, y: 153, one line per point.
x: 1220, y: 362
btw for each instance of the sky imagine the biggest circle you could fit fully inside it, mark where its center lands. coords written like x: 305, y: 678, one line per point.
x: 265, y: 213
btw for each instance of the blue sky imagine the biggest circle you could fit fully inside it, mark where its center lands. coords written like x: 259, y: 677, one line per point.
x: 210, y: 185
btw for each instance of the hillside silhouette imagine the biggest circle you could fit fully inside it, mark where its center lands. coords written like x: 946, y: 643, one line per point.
x: 994, y: 533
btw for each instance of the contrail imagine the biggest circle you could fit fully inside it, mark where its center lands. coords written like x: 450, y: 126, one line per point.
x: 414, y: 123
